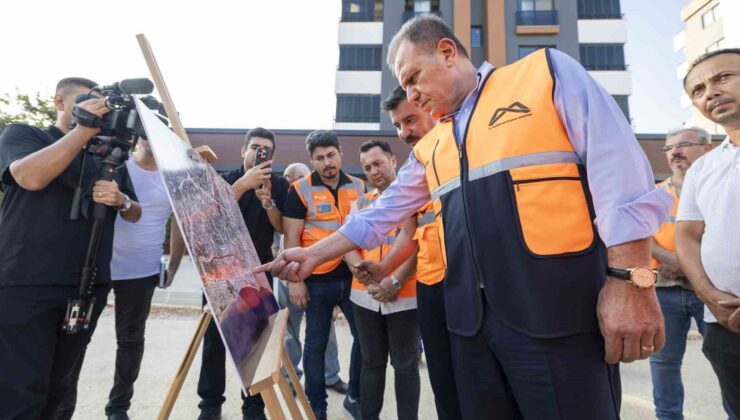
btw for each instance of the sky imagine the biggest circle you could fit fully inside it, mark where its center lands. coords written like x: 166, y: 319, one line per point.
x: 238, y: 64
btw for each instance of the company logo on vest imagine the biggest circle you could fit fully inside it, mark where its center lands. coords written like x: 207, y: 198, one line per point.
x: 515, y: 108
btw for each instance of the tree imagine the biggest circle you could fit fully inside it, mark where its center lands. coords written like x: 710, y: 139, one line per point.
x: 27, y: 109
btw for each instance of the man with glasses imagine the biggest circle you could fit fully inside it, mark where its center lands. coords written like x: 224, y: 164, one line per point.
x: 260, y: 195
x: 678, y: 302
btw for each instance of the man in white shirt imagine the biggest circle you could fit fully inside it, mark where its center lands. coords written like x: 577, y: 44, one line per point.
x: 707, y: 232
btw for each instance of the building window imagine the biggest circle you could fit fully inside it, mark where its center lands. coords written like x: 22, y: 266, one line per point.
x: 534, y: 5
x: 603, y: 56
x: 476, y: 36
x: 711, y: 16
x: 715, y: 46
x: 362, y: 10
x: 536, y: 12
x: 599, y: 9
x: 358, y: 108
x: 413, y: 8
x: 360, y: 57
x: 623, y: 102
x: 525, y: 50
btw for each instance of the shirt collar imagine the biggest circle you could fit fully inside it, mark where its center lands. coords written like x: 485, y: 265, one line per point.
x: 483, y: 71
x: 343, y: 179
x: 726, y: 144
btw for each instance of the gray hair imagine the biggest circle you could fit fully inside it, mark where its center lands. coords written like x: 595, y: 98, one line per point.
x: 425, y: 32
x: 704, y: 136
x: 298, y: 166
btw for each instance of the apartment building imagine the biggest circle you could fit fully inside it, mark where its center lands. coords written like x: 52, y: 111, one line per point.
x: 498, y: 31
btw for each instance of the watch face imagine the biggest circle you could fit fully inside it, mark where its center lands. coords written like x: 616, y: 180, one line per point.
x: 643, y: 277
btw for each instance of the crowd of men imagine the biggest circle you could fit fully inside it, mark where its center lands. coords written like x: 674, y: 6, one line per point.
x: 516, y: 245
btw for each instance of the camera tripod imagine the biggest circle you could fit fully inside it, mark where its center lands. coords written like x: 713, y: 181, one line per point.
x: 80, y: 309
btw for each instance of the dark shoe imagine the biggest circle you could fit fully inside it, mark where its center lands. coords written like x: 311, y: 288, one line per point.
x: 352, y: 408
x: 253, y: 417
x: 212, y: 413
x: 118, y: 416
x: 339, y: 386
x: 320, y: 416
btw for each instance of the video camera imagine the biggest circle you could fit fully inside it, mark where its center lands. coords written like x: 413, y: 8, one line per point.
x: 121, y: 127
x: 119, y: 131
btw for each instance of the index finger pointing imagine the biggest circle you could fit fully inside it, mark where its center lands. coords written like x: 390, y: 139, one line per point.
x: 263, y: 268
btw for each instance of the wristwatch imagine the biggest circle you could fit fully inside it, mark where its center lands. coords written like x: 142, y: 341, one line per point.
x: 396, y: 283
x: 640, y: 277
x: 272, y: 205
x: 126, y: 206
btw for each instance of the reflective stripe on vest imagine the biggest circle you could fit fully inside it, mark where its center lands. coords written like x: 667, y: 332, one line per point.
x: 492, y: 168
x: 665, y: 236
x: 322, y: 215
x: 406, y: 297
x: 514, y: 210
x: 430, y: 266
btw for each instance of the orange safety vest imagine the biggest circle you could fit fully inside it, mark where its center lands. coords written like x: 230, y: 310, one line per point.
x: 323, y: 215
x: 406, y: 297
x: 516, y: 216
x: 666, y: 235
x: 430, y: 266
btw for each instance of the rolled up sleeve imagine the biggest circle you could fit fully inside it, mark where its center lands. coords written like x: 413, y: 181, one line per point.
x: 369, y: 227
x: 628, y: 206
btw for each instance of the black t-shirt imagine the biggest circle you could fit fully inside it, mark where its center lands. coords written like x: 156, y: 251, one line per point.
x: 294, y: 208
x: 39, y: 244
x: 255, y: 217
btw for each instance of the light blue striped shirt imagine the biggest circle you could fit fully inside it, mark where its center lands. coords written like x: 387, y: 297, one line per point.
x: 627, y: 204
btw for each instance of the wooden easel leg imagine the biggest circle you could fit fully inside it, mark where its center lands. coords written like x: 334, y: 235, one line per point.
x: 182, y: 371
x: 297, y: 386
x: 272, y: 404
x: 295, y: 412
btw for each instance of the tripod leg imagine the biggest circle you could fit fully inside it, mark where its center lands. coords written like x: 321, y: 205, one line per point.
x: 182, y: 371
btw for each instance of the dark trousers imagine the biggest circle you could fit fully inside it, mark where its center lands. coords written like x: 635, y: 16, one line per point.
x: 133, y: 301
x: 396, y: 334
x: 323, y: 297
x: 433, y: 329
x: 504, y: 374
x: 722, y: 348
x: 37, y: 358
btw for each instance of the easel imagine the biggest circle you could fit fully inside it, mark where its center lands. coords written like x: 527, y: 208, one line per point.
x: 268, y: 369
x: 267, y: 375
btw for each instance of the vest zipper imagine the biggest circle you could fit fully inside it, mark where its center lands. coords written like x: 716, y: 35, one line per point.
x: 434, y: 162
x: 463, y: 189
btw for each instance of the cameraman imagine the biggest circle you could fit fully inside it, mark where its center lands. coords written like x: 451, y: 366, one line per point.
x: 42, y: 251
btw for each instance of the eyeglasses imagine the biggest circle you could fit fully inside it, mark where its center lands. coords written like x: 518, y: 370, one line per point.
x: 669, y: 147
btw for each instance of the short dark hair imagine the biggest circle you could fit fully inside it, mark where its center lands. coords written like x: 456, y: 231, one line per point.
x: 707, y: 56
x: 424, y: 32
x: 321, y: 138
x: 384, y: 146
x: 64, y: 85
x: 396, y: 97
x: 260, y: 132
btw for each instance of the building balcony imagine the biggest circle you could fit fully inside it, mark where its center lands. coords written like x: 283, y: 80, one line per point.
x: 537, y: 22
x: 410, y: 14
x: 537, y: 18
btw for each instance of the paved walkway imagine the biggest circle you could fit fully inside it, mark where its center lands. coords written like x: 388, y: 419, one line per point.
x: 169, y: 331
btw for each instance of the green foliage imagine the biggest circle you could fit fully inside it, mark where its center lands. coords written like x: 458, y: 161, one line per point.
x: 28, y: 109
